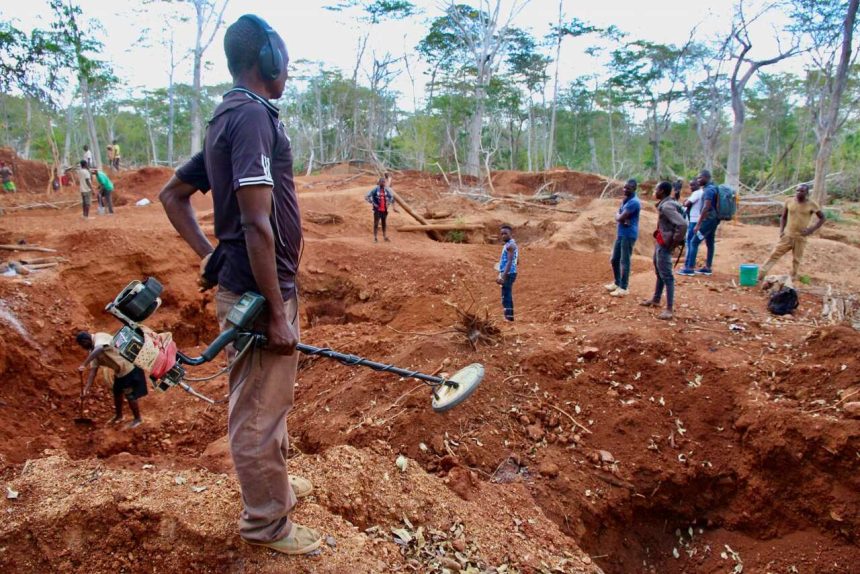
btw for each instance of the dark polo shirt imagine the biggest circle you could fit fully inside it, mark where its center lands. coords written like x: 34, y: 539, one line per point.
x: 247, y: 145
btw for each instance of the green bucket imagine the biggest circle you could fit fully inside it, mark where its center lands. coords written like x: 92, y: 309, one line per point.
x: 749, y: 274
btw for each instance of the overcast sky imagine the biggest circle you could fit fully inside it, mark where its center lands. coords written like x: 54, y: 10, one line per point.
x: 316, y: 34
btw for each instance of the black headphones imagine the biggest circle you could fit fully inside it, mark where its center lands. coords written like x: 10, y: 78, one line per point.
x: 270, y: 59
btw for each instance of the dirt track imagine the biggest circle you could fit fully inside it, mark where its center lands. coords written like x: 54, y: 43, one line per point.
x: 695, y: 440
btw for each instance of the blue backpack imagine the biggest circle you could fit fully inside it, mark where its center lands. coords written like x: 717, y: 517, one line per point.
x: 727, y: 202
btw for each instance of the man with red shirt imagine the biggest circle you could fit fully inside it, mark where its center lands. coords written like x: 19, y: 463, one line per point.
x: 248, y: 163
x: 380, y: 197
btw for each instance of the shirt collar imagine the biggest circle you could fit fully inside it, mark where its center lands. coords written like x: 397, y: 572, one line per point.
x: 251, y: 95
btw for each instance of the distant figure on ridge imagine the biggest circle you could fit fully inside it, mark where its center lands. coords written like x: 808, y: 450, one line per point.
x: 508, y: 269
x: 88, y: 157
x: 380, y: 198
x: 86, y: 185
x: 6, y: 175
x: 796, y: 216
x: 117, y: 155
x: 626, y: 236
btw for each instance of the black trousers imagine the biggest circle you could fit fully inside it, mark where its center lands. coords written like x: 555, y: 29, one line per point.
x: 379, y: 216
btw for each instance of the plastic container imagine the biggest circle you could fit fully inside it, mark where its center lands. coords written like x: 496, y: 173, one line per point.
x: 748, y: 274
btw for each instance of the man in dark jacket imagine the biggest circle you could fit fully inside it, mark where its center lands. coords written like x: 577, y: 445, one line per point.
x: 381, y: 198
x: 671, y: 225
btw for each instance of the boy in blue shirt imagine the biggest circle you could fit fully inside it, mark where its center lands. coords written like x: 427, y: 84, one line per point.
x: 628, y: 231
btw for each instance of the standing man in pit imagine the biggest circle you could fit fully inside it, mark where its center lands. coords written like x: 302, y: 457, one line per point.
x: 105, y: 190
x: 6, y: 175
x: 248, y: 163
x: 508, y: 269
x: 380, y: 198
x: 129, y: 381
x: 794, y: 229
x: 627, y: 218
x: 86, y: 186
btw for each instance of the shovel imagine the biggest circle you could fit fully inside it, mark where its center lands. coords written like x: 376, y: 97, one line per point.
x: 82, y: 420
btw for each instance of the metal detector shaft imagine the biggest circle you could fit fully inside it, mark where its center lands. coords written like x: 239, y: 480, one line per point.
x: 352, y: 360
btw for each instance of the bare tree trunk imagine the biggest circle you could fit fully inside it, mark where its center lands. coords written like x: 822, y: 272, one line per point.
x: 171, y: 102
x: 592, y: 147
x: 91, y: 123
x: 530, y: 135
x: 733, y: 166
x: 611, y: 135
x: 205, y: 11
x: 476, y: 124
x: 829, y: 122
x: 67, y: 144
x: 29, y: 137
x: 550, y: 146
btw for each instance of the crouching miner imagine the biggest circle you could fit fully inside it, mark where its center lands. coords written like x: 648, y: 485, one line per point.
x: 129, y: 381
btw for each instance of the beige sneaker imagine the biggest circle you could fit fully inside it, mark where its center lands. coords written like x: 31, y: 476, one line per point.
x: 619, y: 292
x: 610, y: 286
x: 302, y: 487
x: 301, y: 540
x: 666, y: 315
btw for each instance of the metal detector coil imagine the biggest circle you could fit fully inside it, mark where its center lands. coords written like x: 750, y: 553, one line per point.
x: 457, y: 388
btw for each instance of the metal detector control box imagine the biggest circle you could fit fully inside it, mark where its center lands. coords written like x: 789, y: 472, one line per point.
x: 246, y: 310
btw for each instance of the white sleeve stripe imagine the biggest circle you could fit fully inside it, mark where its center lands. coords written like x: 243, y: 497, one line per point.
x: 254, y: 180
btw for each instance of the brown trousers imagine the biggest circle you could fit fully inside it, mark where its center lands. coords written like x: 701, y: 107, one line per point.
x: 795, y: 244
x: 261, y: 395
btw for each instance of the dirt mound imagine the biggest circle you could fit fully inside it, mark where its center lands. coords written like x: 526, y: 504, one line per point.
x: 595, y: 229
x: 126, y: 513
x: 29, y: 176
x: 576, y: 183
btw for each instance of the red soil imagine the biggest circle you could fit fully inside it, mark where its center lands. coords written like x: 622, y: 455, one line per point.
x: 597, y: 428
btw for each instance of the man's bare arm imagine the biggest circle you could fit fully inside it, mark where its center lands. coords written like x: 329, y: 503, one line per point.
x: 818, y: 224
x: 176, y: 200
x: 255, y: 205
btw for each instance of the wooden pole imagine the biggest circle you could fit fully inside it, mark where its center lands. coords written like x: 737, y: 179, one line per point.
x: 442, y: 227
x: 27, y: 248
x: 408, y: 209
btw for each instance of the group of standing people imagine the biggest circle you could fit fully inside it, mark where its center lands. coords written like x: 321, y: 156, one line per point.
x: 691, y: 224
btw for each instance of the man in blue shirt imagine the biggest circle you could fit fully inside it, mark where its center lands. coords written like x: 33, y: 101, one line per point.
x: 508, y: 269
x: 628, y: 231
x: 705, y: 228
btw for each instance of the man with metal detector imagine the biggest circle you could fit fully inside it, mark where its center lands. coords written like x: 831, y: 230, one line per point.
x: 247, y: 162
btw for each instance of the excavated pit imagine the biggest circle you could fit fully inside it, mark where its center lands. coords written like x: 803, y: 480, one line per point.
x: 637, y: 439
